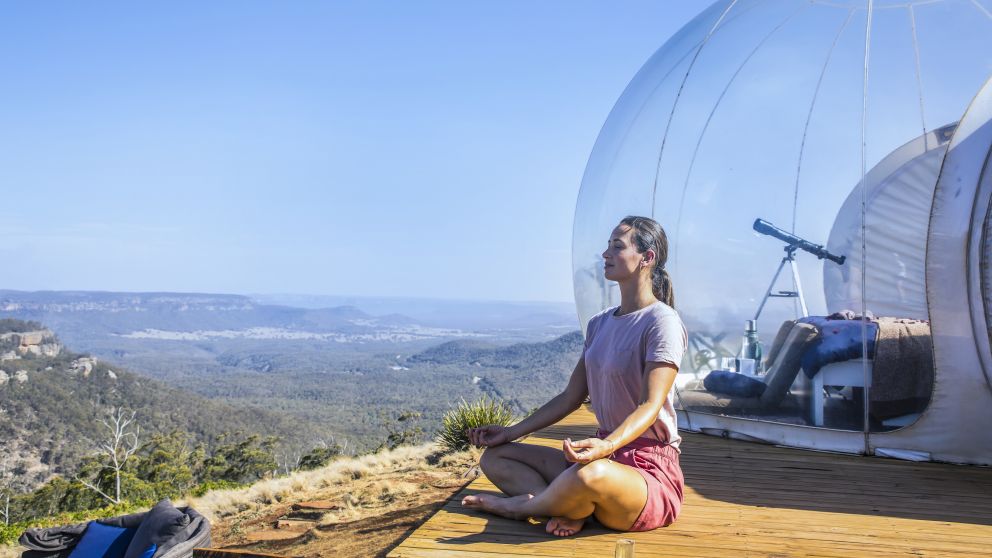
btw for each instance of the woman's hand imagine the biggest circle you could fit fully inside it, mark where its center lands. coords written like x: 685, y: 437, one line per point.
x: 488, y: 436
x: 585, y: 451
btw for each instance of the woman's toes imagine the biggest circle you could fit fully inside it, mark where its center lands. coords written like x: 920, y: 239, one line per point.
x: 564, y: 527
x: 472, y: 501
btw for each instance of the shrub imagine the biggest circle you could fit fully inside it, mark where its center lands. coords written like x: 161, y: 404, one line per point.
x: 10, y: 533
x: 471, y: 415
x: 318, y: 457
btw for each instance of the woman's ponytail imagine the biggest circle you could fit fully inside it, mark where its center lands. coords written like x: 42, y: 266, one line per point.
x: 661, y: 285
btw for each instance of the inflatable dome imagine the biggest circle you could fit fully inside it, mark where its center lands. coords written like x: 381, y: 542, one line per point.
x: 833, y: 123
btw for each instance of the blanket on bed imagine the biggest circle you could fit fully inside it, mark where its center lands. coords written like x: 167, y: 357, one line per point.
x: 902, y: 371
x: 901, y: 350
x: 838, y: 340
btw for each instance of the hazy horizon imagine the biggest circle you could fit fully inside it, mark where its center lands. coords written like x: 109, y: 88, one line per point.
x: 277, y: 295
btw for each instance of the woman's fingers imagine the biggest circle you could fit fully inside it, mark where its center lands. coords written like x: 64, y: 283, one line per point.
x: 582, y: 451
x: 483, y: 435
x: 570, y: 453
x: 475, y: 436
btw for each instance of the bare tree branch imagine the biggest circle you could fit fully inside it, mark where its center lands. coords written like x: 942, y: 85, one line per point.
x: 100, y: 492
x: 121, y: 443
x: 6, y: 492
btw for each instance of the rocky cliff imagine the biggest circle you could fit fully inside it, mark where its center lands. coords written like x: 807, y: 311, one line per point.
x: 16, y: 345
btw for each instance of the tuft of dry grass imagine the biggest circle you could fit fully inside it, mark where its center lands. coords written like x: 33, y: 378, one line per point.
x: 7, y: 551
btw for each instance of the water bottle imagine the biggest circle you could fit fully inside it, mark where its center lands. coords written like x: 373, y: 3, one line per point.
x: 750, y: 346
x: 624, y: 549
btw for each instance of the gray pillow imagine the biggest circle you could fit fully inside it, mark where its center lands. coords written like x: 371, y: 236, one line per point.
x: 786, y: 366
x: 783, y: 332
x: 160, y: 524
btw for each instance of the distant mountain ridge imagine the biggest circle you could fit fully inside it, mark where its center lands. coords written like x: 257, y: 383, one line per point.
x: 87, y: 319
x: 124, y: 312
x: 518, y: 355
x: 464, y: 314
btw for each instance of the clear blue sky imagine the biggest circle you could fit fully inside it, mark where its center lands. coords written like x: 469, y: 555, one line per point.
x: 427, y: 149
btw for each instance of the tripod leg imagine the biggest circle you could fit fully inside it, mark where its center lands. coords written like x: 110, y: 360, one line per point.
x: 799, y: 287
x: 772, y: 286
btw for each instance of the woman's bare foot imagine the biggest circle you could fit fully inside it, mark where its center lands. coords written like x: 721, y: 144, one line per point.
x: 499, y: 505
x: 563, y: 526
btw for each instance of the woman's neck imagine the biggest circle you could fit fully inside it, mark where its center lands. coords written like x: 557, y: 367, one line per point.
x: 635, y: 295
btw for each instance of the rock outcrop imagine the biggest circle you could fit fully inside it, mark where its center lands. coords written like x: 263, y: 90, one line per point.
x: 83, y: 365
x: 39, y: 343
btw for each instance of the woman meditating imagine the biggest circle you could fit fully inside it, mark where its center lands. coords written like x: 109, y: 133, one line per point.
x: 628, y: 476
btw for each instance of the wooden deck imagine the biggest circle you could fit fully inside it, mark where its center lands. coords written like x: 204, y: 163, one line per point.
x: 745, y: 499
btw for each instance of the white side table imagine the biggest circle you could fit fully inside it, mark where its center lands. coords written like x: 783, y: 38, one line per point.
x: 846, y: 373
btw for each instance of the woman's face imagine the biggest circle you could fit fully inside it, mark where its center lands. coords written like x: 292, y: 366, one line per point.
x: 621, y: 259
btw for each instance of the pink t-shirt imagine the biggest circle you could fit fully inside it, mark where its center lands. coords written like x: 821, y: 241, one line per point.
x: 616, y: 353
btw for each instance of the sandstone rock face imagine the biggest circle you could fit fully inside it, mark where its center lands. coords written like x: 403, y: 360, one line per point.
x: 32, y: 337
x: 83, y: 365
x: 42, y: 343
x: 4, y: 378
x: 21, y: 376
x: 111, y: 374
x: 9, y: 355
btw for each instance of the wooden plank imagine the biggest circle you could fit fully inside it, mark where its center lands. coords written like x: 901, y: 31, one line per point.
x: 901, y: 531
x: 715, y: 535
x: 746, y: 499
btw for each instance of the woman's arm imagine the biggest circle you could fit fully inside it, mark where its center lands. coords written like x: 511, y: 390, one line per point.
x: 551, y: 412
x: 658, y: 380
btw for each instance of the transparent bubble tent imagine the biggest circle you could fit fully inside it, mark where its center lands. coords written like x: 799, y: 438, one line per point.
x: 859, y: 133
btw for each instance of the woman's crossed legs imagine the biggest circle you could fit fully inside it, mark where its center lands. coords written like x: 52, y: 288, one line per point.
x: 541, y: 482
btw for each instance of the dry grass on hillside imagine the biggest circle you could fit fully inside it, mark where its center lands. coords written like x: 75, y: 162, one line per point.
x: 10, y: 551
x: 371, y: 503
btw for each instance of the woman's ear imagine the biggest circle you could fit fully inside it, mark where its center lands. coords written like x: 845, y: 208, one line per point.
x: 649, y: 257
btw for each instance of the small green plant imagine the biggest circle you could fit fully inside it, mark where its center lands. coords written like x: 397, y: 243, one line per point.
x: 482, y: 412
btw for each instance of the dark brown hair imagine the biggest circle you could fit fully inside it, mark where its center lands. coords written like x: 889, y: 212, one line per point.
x: 647, y: 234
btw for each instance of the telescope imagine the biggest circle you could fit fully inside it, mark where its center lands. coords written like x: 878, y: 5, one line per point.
x: 794, y: 242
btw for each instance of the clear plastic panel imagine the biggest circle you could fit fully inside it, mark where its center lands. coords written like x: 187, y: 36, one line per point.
x: 754, y: 111
x: 619, y: 176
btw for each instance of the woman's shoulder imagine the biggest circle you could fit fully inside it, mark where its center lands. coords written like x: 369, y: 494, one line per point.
x: 600, y: 316
x: 663, y: 315
x: 660, y: 309
x: 603, y: 314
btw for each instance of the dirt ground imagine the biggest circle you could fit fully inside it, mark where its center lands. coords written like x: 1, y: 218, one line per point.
x: 367, y: 516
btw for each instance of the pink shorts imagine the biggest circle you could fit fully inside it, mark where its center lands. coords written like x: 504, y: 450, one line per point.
x: 658, y: 463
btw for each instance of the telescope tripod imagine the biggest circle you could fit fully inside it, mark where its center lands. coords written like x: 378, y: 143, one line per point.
x: 790, y: 258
